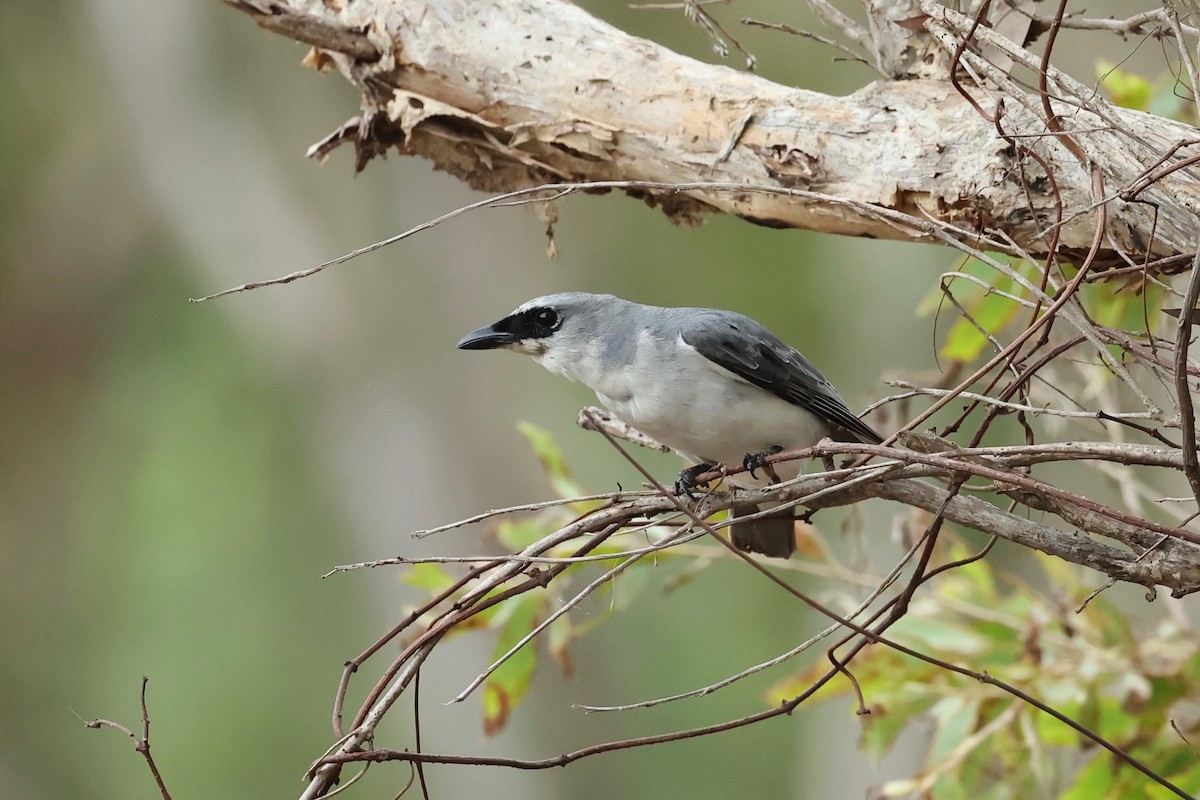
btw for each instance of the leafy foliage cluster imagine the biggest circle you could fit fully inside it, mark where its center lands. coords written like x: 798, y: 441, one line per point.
x: 1039, y: 626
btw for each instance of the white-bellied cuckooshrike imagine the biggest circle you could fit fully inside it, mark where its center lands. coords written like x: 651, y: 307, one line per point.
x: 715, y: 386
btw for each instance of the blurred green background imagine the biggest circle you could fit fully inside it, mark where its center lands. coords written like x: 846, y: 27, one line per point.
x: 176, y: 478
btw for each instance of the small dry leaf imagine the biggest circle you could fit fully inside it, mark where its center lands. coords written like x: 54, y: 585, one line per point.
x: 1175, y: 312
x: 808, y: 542
x: 915, y: 24
x: 496, y: 708
x: 318, y: 60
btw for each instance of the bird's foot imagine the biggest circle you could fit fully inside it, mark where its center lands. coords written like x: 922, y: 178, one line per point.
x: 757, y: 461
x: 686, y: 483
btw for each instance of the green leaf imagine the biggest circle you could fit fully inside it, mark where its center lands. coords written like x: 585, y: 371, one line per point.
x: 551, y: 456
x: 798, y: 682
x: 793, y: 685
x: 1189, y: 778
x: 1176, y: 760
x: 506, y: 687
x: 1124, y: 304
x: 1066, y: 695
x: 1113, y: 721
x: 516, y: 535
x: 887, y: 720
x: 974, y: 581
x: 433, y: 578
x: 1093, y: 781
x: 1114, y: 626
x: 1191, y: 669
x: 623, y: 590
x: 942, y: 636
x: 955, y: 717
x: 1158, y: 97
x: 1124, y: 88
x: 950, y: 786
x: 991, y: 312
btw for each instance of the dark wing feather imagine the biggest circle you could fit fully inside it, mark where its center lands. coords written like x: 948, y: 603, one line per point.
x: 747, y: 349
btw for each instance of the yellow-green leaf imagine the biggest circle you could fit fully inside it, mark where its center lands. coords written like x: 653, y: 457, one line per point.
x: 955, y: 717
x: 887, y: 720
x: 943, y: 636
x: 551, y: 457
x: 506, y: 687
x: 1124, y: 88
x: 430, y: 577
x: 990, y: 310
x: 519, y: 534
x: 1093, y: 781
x: 991, y: 313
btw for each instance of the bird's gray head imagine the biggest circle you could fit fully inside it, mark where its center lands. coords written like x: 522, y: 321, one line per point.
x: 552, y: 322
x: 564, y: 332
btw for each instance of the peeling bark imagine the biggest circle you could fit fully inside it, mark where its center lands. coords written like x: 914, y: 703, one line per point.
x: 506, y: 95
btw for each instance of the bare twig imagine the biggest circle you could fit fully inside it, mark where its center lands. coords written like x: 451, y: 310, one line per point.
x: 703, y: 691
x: 497, y: 512
x: 1183, y: 390
x: 604, y: 578
x: 779, y: 26
x: 142, y: 743
x: 991, y: 401
x: 1149, y: 23
x: 834, y: 19
x: 555, y: 191
x: 592, y: 418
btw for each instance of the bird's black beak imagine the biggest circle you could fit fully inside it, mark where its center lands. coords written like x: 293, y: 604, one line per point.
x: 488, y: 338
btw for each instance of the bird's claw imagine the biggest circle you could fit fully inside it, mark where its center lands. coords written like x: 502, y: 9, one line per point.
x: 686, y: 483
x: 756, y: 461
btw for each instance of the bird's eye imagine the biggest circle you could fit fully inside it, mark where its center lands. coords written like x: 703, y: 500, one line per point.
x: 548, y: 318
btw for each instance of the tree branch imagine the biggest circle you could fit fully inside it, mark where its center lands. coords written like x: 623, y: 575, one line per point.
x: 141, y: 744
x: 507, y: 96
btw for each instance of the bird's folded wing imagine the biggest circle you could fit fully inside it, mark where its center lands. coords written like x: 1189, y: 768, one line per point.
x: 750, y: 351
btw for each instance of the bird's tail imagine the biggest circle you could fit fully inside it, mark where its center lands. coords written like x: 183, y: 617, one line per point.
x: 773, y: 535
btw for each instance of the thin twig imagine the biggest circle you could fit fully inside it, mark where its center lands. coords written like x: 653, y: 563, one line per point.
x: 779, y: 26
x: 1183, y: 390
x: 915, y: 390
x: 1146, y: 22
x: 554, y: 191
x: 703, y: 691
x: 612, y: 497
x: 142, y: 744
x: 606, y: 577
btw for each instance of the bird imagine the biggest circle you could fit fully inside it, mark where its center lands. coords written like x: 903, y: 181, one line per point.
x: 715, y: 386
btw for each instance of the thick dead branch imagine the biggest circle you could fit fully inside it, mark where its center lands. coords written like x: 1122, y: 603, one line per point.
x: 506, y: 96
